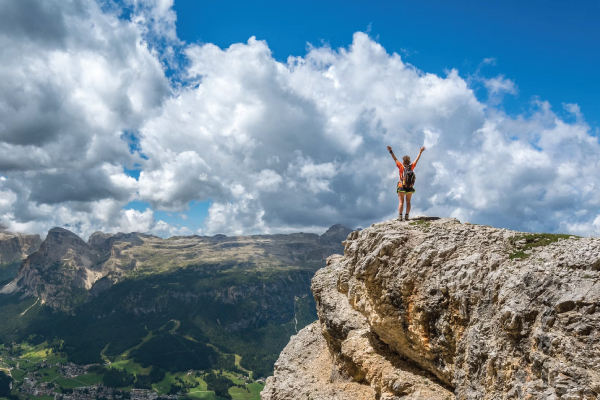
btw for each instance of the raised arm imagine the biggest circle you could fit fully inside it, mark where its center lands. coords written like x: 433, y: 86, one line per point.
x: 392, y: 153
x: 421, y: 150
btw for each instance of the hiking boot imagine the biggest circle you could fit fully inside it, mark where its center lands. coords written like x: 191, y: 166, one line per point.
x: 399, y: 217
x: 406, y: 217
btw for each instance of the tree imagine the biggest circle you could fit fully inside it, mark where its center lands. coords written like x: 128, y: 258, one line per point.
x: 5, y: 384
x: 117, y: 378
x: 218, y: 384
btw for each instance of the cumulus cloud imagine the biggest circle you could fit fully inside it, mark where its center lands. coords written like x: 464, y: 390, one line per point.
x: 498, y: 86
x: 316, y: 128
x: 276, y: 146
x: 73, y: 78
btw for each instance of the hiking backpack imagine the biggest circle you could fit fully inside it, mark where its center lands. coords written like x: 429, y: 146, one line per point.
x: 408, y: 177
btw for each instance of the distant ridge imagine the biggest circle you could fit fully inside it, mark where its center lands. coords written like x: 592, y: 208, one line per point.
x: 245, y: 295
x: 65, y: 266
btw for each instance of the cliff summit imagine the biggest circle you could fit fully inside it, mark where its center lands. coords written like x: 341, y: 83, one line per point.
x: 436, y: 309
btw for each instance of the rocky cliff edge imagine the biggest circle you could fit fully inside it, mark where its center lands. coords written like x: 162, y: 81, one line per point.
x: 436, y: 309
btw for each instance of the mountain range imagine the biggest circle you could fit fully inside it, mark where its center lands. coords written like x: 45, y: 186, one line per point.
x: 94, y: 300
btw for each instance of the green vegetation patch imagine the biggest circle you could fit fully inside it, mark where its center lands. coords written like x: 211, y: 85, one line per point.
x: 5, y: 383
x: 202, y: 395
x: 233, y: 377
x: 131, y: 366
x: 165, y: 384
x: 251, y: 392
x: 533, y: 240
x: 80, y: 381
x: 18, y: 375
x: 17, y: 316
x: 420, y: 222
x: 105, y: 330
x: 219, y: 384
x: 27, y: 365
x: 116, y: 378
x: 159, y: 351
x: 36, y: 353
x: 89, y: 379
x: 44, y: 397
x: 48, y: 374
x: 68, y: 383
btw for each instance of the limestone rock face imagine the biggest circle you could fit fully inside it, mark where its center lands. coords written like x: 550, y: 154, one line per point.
x: 304, y: 371
x: 439, y: 309
x: 63, y: 266
x: 14, y: 247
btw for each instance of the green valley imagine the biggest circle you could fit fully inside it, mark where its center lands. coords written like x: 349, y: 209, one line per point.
x: 203, y: 317
x: 39, y: 369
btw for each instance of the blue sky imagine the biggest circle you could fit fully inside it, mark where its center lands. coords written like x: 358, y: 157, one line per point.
x: 550, y: 49
x: 144, y: 115
x: 192, y: 218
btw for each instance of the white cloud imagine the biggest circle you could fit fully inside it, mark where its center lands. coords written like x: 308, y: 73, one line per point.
x: 275, y: 146
x: 72, y: 79
x: 321, y: 123
x: 431, y: 138
x: 267, y: 181
x: 500, y: 85
x: 177, y: 179
x: 244, y: 216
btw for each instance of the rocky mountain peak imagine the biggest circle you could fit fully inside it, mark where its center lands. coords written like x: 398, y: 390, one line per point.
x: 104, y: 242
x: 336, y: 230
x: 436, y: 309
x: 335, y: 234
x: 63, y: 237
x: 96, y: 239
x: 63, y: 265
x: 60, y: 242
x: 14, y: 247
x: 67, y: 269
x: 58, y: 231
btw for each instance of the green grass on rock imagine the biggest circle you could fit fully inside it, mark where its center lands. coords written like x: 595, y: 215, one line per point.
x: 533, y: 240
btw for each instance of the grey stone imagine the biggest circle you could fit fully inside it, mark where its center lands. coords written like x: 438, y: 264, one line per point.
x: 441, y: 303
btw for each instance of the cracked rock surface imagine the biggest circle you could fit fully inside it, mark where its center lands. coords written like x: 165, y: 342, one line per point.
x: 436, y: 309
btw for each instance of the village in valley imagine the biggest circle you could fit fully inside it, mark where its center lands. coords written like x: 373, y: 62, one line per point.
x: 38, y: 372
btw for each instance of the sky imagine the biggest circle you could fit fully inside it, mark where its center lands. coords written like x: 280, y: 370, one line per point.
x: 203, y: 117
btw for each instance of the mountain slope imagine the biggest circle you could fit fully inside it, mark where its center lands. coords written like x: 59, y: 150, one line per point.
x: 65, y: 266
x: 14, y: 247
x: 245, y: 295
x: 437, y: 309
x: 60, y: 271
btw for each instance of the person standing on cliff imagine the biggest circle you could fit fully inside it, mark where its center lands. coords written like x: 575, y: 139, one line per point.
x: 405, y: 187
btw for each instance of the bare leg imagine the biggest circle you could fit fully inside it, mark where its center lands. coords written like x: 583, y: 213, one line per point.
x: 400, y: 203
x: 408, y: 196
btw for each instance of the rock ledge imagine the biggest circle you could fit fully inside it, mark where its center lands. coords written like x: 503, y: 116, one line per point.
x: 436, y: 309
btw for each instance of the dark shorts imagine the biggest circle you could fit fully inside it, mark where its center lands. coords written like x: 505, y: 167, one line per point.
x: 402, y: 189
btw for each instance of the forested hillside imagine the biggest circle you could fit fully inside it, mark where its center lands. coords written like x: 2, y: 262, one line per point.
x: 243, y: 296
